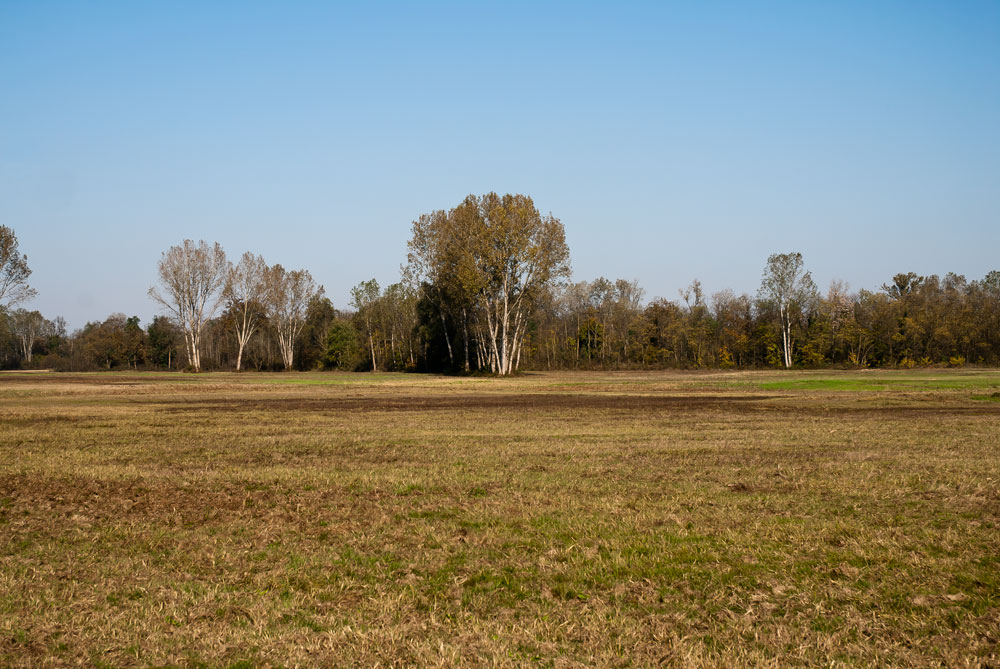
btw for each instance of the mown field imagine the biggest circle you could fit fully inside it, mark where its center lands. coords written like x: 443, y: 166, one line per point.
x: 616, y: 519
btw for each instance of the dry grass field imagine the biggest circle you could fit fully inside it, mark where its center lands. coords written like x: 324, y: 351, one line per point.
x: 615, y: 519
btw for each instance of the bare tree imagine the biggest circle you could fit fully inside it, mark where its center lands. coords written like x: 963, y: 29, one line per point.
x: 627, y: 300
x: 246, y: 293
x: 400, y: 313
x: 192, y: 276
x: 839, y: 306
x: 14, y: 271
x: 791, y: 288
x: 27, y: 327
x: 288, y: 297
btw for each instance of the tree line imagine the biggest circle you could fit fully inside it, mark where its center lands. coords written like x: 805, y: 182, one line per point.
x: 486, y: 288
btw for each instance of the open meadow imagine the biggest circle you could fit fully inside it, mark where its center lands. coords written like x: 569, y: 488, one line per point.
x: 724, y: 518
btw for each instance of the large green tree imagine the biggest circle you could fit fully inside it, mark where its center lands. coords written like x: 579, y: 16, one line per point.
x: 309, y: 350
x: 342, y: 347
x: 163, y: 338
x: 491, y: 256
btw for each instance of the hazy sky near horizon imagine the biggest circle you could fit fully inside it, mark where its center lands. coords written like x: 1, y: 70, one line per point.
x: 674, y: 140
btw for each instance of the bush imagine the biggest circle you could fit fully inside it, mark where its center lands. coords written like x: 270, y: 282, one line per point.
x: 342, y: 349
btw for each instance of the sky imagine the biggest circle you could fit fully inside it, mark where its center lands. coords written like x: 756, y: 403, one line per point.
x: 673, y: 140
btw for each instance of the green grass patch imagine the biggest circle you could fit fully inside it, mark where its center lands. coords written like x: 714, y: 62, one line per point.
x: 883, y: 384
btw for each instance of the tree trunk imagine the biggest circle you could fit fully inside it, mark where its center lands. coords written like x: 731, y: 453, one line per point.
x: 193, y: 352
x: 786, y: 335
x: 465, y: 337
x: 444, y: 328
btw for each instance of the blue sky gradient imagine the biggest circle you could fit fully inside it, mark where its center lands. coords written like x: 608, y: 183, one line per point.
x: 674, y: 140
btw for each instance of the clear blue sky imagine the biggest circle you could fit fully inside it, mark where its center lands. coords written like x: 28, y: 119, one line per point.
x: 674, y: 140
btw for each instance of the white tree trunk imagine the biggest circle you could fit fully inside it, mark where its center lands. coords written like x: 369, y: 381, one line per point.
x: 465, y: 332
x: 786, y: 337
x: 444, y: 329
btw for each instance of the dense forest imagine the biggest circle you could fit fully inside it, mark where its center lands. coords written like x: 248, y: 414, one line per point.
x: 486, y: 289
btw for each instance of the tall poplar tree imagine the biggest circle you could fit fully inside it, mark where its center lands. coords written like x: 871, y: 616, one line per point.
x: 790, y: 287
x: 192, y: 276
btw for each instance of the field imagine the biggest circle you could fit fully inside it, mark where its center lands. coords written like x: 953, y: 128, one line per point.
x: 685, y: 519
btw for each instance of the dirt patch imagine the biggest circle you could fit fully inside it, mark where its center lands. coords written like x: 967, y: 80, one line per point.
x: 473, y: 402
x: 740, y: 404
x: 49, y: 378
x: 36, y: 421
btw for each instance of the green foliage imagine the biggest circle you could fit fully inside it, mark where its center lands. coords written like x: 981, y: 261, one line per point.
x: 488, y: 261
x: 810, y: 355
x: 311, y: 344
x: 117, y: 342
x: 342, y: 348
x: 163, y: 339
